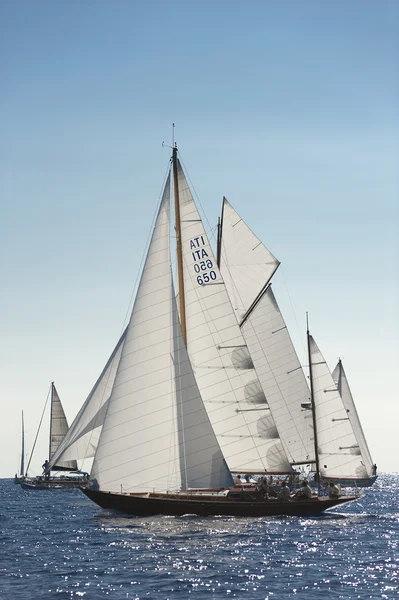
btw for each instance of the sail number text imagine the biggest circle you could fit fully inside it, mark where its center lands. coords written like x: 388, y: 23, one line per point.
x: 203, y: 265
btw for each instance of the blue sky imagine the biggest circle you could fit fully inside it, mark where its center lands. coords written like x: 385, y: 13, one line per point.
x: 287, y: 108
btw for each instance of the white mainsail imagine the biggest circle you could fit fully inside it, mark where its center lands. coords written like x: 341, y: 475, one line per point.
x: 245, y: 263
x: 339, y: 453
x: 82, y: 438
x: 222, y: 364
x: 342, y: 384
x: 156, y: 433
x: 247, y: 266
x: 58, y: 430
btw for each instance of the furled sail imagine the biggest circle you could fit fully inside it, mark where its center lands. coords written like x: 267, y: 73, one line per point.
x: 58, y: 430
x: 222, y: 364
x: 338, y: 449
x: 245, y: 263
x: 342, y: 384
x: 247, y: 266
x: 156, y: 434
x: 82, y: 438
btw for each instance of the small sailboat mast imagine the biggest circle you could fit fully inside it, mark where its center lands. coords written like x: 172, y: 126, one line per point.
x: 51, y: 418
x: 316, y: 451
x: 178, y: 246
x: 22, y: 467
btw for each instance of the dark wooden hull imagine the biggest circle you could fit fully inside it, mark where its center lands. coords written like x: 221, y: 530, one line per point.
x: 166, y: 505
x: 51, y: 485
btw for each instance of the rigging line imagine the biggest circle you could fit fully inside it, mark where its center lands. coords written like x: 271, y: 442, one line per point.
x: 293, y: 311
x: 129, y: 308
x: 38, y: 429
x: 191, y: 187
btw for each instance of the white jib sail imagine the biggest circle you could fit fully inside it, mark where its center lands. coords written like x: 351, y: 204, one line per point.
x: 281, y: 376
x: 339, y: 453
x: 245, y: 263
x: 342, y: 384
x: 156, y: 434
x: 58, y: 429
x: 247, y: 266
x: 218, y: 352
x: 82, y: 438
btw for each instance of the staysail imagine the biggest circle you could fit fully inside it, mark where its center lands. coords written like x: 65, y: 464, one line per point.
x: 222, y: 364
x: 156, y: 434
x: 342, y: 384
x: 338, y: 449
x: 58, y: 430
x: 245, y: 263
x: 82, y: 438
x: 247, y: 267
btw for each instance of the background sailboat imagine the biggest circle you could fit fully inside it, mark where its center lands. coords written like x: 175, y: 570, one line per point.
x: 19, y: 478
x: 58, y: 430
x: 179, y: 406
x: 342, y: 384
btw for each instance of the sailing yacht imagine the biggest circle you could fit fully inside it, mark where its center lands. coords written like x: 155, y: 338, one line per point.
x: 186, y: 406
x: 368, y: 474
x: 58, y: 430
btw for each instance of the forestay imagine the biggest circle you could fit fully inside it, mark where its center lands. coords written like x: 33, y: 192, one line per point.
x: 339, y: 453
x: 245, y: 263
x: 342, y: 384
x: 156, y: 434
x: 218, y: 352
x: 58, y: 430
x: 82, y: 438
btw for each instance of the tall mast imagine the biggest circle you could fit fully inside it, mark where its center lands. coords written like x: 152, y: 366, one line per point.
x: 178, y: 247
x: 313, y: 406
x: 218, y: 248
x: 22, y: 467
x: 51, y: 418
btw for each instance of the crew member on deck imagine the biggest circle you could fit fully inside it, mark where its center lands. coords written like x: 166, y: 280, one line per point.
x: 304, y: 492
x: 284, y: 493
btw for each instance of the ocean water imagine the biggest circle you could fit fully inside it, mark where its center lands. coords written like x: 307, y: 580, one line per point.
x: 58, y: 544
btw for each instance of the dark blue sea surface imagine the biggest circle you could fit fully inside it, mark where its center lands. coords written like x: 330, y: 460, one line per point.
x: 58, y: 544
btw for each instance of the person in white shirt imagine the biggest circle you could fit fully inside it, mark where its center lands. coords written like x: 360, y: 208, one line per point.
x: 304, y: 492
x: 284, y: 493
x: 334, y: 491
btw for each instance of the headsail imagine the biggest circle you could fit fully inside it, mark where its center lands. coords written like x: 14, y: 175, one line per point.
x: 338, y: 449
x: 247, y: 266
x: 342, y: 384
x: 156, y: 433
x: 245, y: 263
x: 82, y: 438
x: 58, y: 430
x: 221, y: 361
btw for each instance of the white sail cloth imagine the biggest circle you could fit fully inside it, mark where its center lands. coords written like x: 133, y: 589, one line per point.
x: 218, y: 352
x: 342, y: 384
x: 339, y: 453
x: 156, y: 434
x: 245, y: 263
x: 281, y: 376
x: 247, y: 266
x: 58, y: 430
x: 82, y: 437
